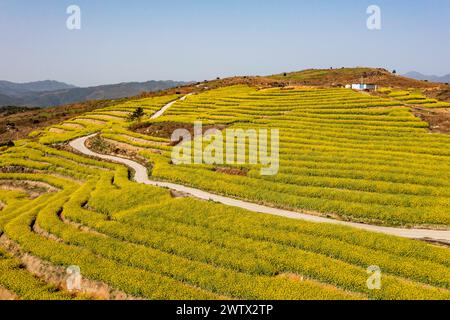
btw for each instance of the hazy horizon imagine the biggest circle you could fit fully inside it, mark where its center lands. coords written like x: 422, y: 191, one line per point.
x: 103, y: 84
x: 175, y: 80
x: 196, y: 40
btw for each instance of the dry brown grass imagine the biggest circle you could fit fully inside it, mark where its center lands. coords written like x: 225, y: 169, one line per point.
x: 7, y: 295
x: 57, y: 130
x: 438, y: 119
x: 231, y: 171
x: 165, y: 129
x: 33, y: 189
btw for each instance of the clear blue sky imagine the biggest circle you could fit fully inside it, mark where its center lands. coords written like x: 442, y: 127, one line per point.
x: 139, y: 40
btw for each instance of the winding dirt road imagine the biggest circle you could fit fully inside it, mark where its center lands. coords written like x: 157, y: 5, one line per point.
x: 167, y: 106
x: 141, y: 176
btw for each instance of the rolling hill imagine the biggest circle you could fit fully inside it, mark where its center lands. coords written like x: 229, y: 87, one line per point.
x: 18, y: 89
x: 420, y: 76
x: 339, y: 77
x: 37, y: 95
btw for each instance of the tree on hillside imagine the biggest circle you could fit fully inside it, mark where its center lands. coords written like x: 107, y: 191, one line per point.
x: 394, y: 71
x: 137, y: 114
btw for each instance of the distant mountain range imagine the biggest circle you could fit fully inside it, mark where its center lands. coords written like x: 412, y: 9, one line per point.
x: 52, y: 93
x: 420, y: 76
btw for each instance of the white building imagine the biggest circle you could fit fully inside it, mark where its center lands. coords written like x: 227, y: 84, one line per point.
x: 364, y: 87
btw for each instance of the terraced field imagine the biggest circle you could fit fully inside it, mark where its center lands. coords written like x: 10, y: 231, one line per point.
x: 415, y: 97
x: 342, y: 153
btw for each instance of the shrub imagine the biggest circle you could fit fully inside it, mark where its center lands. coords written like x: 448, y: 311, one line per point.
x: 137, y: 114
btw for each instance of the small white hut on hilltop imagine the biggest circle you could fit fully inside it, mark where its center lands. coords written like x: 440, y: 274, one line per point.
x: 362, y: 87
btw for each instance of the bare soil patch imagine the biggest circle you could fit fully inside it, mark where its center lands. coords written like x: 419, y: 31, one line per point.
x: 123, y: 150
x: 143, y: 141
x: 73, y: 125
x: 441, y: 93
x: 16, y: 169
x: 7, y: 295
x: 232, y: 171
x: 91, y: 121
x: 103, y: 146
x: 292, y: 276
x: 438, y: 119
x: 121, y: 147
x: 165, y: 129
x: 33, y: 189
x: 57, y: 130
x: 178, y: 194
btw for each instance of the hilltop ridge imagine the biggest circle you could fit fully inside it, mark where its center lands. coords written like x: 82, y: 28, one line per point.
x: 342, y: 76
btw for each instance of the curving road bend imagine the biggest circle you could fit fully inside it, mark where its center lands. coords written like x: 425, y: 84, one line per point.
x: 167, y: 106
x: 141, y: 176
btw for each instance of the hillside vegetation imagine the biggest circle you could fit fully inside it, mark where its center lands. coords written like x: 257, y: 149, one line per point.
x: 25, y: 122
x: 140, y: 241
x: 343, y: 154
x: 343, y: 76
